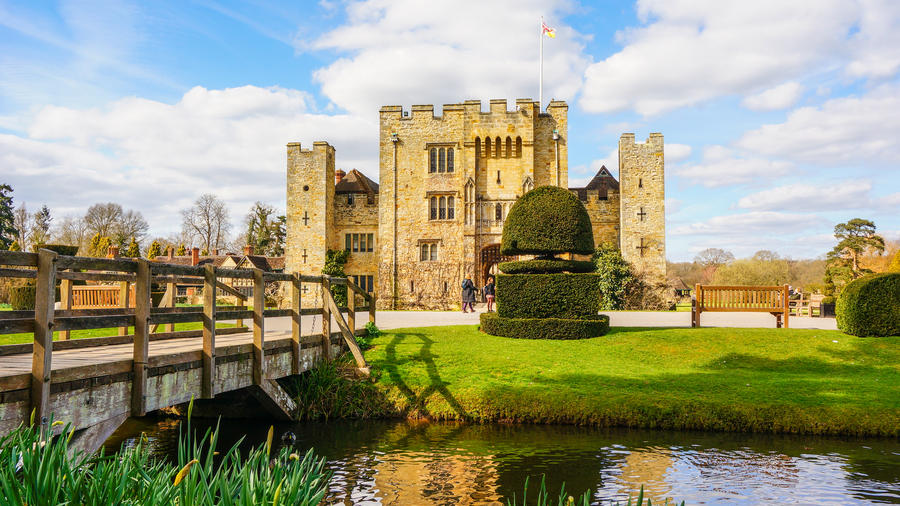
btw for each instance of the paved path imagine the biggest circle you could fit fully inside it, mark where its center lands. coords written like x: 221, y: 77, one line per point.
x: 400, y: 319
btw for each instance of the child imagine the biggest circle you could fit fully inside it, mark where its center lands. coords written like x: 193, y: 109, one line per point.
x: 488, y: 291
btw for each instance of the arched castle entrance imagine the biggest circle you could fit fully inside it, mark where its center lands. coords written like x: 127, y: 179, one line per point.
x: 490, y: 257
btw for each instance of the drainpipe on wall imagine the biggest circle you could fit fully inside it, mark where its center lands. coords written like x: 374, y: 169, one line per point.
x: 395, y: 289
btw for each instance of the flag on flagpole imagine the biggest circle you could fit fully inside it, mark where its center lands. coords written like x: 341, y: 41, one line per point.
x: 549, y: 31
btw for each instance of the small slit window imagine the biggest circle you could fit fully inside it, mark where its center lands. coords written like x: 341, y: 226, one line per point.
x: 442, y: 160
x: 432, y: 165
x: 449, y: 159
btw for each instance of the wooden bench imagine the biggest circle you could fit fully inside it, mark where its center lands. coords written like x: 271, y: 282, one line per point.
x: 741, y: 299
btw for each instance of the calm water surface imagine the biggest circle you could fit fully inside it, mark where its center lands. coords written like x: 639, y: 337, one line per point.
x: 405, y: 463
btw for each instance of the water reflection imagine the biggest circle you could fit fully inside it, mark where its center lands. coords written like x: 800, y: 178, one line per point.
x: 398, y: 462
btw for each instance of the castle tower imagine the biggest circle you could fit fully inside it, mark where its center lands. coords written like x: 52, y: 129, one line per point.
x: 310, y: 203
x: 642, y: 208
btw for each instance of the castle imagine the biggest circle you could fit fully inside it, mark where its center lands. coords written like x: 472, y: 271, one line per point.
x: 446, y: 184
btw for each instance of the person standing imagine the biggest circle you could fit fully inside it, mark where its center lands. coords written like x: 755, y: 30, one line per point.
x: 468, y: 294
x: 489, y: 293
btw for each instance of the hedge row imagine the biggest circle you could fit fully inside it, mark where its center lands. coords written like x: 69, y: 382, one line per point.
x: 544, y: 328
x: 870, y: 306
x: 548, y: 295
x: 545, y: 266
x: 62, y: 249
x: 546, y: 221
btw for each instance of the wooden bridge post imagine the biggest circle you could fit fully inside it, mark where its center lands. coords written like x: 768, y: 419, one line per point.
x: 787, y: 306
x: 123, y: 302
x: 172, y: 293
x: 142, y: 304
x: 209, y: 333
x: 351, y: 306
x: 695, y: 306
x: 295, y: 322
x: 326, y: 318
x: 259, y: 321
x: 65, y: 302
x: 41, y: 358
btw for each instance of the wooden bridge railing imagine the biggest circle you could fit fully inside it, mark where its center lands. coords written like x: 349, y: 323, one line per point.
x: 46, y: 267
x: 761, y: 299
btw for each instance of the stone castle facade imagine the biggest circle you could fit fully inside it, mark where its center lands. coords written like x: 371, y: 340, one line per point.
x: 446, y: 184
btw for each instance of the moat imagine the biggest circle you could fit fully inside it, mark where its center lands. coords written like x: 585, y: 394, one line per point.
x: 399, y: 462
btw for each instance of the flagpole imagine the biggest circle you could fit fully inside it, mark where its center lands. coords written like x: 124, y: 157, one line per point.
x: 541, y: 78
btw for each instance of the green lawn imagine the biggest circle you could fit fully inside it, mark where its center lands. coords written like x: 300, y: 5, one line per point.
x: 757, y: 380
x: 81, y: 334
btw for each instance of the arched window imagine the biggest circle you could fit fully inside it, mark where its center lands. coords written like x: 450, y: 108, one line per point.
x: 449, y: 159
x: 451, y: 212
x: 434, y: 208
x: 443, y: 208
x: 497, y: 147
x: 518, y: 147
x: 442, y: 160
x: 508, y: 147
x: 424, y: 255
x: 433, y: 257
x: 432, y: 166
x: 487, y: 147
x: 477, y: 149
x: 498, y: 212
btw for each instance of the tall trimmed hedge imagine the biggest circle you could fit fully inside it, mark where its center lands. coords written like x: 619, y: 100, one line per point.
x: 62, y: 249
x: 545, y: 328
x: 870, y: 306
x: 21, y: 298
x: 546, y: 221
x: 546, y: 266
x: 548, y: 295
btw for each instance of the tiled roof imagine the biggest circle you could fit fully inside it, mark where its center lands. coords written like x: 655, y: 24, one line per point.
x: 356, y: 182
x: 602, y: 180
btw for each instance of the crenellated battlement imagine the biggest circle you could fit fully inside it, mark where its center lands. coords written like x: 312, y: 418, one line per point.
x: 496, y: 106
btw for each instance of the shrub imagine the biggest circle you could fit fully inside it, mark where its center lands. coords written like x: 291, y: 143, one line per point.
x: 544, y: 266
x: 21, y: 298
x: 372, y: 330
x: 870, y: 306
x: 828, y: 300
x: 546, y: 221
x: 544, y: 328
x: 62, y: 249
x: 895, y: 263
x: 547, y: 295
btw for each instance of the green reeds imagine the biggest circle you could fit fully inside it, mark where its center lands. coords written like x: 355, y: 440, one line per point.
x: 563, y: 499
x: 38, y: 468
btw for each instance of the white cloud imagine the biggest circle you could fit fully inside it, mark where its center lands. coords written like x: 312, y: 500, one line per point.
x: 843, y: 130
x: 427, y: 52
x: 676, y: 152
x: 756, y: 225
x: 809, y: 197
x: 721, y: 166
x: 779, y: 97
x: 690, y: 51
x: 158, y: 157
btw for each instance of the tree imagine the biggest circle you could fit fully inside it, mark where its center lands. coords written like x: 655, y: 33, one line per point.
x: 895, y: 263
x: 133, y: 250
x: 110, y: 220
x: 714, y: 257
x: 855, y: 238
x: 334, y: 266
x: 72, y: 230
x: 615, y: 276
x: 99, y: 246
x: 182, y: 251
x: 7, y: 218
x: 760, y: 270
x: 40, y: 227
x: 14, y: 246
x: 265, y: 232
x: 155, y: 250
x: 21, y: 221
x: 207, y: 221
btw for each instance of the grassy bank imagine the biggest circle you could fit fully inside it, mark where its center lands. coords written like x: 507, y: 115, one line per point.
x: 753, y: 380
x: 81, y: 334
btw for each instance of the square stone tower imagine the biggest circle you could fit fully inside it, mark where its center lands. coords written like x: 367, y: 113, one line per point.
x: 642, y: 204
x: 310, y: 204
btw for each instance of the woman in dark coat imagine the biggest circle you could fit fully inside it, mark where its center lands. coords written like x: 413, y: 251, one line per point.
x: 468, y: 295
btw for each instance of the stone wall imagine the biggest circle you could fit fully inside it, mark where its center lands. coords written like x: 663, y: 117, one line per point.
x: 642, y: 208
x: 604, y: 217
x: 360, y: 217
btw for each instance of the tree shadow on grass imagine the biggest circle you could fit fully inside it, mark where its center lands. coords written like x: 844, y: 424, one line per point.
x: 435, y: 385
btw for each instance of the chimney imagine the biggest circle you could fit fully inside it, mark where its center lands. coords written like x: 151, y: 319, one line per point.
x: 171, y: 252
x: 215, y: 252
x: 338, y: 175
x: 248, y: 250
x: 195, y: 256
x: 113, y: 252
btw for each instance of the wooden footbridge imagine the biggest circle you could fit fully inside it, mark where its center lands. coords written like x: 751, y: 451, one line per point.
x: 96, y: 383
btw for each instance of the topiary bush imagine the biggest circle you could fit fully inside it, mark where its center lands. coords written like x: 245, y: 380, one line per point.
x: 544, y: 265
x: 21, y: 298
x: 545, y: 328
x: 870, y: 306
x: 62, y: 249
x: 547, y: 221
x: 548, y: 295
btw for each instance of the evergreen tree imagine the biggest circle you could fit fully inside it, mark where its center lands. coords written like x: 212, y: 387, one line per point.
x: 40, y: 229
x: 895, y: 263
x: 182, y: 251
x: 15, y: 246
x: 133, y: 250
x: 334, y: 266
x: 615, y: 276
x: 7, y: 220
x: 856, y: 237
x: 99, y: 246
x: 154, y: 251
x: 265, y: 231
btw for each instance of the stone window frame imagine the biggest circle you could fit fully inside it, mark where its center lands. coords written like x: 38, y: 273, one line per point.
x: 359, y: 242
x: 364, y: 281
x: 438, y: 201
x: 427, y: 250
x: 440, y: 158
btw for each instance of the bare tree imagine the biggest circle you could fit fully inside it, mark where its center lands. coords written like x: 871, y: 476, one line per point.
x: 110, y: 220
x: 207, y: 221
x: 72, y: 230
x: 714, y: 257
x: 22, y: 224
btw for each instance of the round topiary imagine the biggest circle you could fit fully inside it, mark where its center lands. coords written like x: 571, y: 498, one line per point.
x: 546, y: 221
x: 870, y: 306
x: 546, y: 266
x: 545, y: 328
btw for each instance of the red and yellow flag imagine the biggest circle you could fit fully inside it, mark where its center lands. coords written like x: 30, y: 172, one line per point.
x: 547, y: 30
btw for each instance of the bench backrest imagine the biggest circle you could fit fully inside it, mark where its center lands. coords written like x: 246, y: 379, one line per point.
x: 742, y: 298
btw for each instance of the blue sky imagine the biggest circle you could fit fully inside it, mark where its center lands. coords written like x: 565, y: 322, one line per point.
x: 780, y: 118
